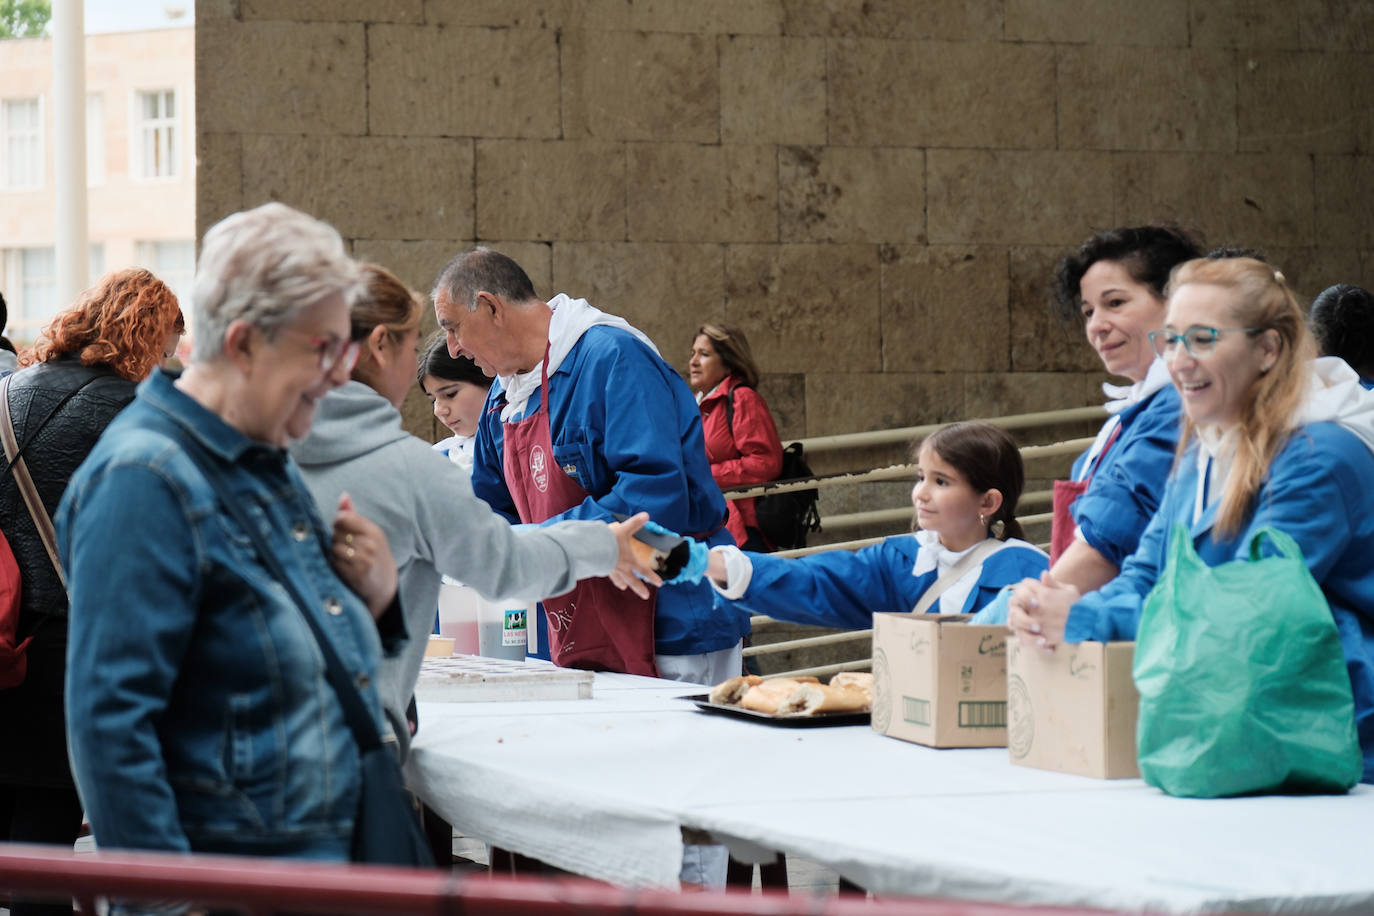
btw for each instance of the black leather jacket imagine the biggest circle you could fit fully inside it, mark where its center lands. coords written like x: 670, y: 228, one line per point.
x: 52, y: 455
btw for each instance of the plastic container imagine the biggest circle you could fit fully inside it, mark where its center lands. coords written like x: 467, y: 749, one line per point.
x: 496, y: 629
x: 458, y: 613
x: 502, y: 628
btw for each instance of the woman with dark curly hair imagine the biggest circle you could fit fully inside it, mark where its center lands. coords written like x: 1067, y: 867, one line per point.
x: 71, y: 383
x: 1114, y: 283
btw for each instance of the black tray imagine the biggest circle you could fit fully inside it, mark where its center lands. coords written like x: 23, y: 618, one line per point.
x: 821, y: 720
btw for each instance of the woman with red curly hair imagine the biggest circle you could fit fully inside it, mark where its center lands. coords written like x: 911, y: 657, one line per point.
x: 71, y: 383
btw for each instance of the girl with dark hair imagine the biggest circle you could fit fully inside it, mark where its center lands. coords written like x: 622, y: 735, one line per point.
x: 742, y: 442
x: 967, y: 546
x: 457, y: 388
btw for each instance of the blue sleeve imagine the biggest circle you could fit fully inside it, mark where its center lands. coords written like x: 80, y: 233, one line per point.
x: 838, y: 588
x: 1308, y: 495
x: 1113, y: 611
x: 488, y: 472
x: 133, y: 610
x: 1305, y: 496
x: 622, y: 428
x: 1007, y: 566
x: 1125, y: 489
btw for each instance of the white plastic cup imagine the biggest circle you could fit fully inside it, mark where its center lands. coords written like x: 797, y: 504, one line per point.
x: 502, y: 628
x: 458, y: 616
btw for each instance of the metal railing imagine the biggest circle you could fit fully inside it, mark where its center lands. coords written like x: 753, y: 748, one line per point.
x: 1038, y: 503
x: 904, y: 434
x: 261, y: 887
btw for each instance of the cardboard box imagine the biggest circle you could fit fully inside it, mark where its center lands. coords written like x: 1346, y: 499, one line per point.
x: 939, y: 681
x: 439, y: 647
x: 1073, y: 709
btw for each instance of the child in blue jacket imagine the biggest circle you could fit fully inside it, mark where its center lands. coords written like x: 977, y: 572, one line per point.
x: 969, y: 478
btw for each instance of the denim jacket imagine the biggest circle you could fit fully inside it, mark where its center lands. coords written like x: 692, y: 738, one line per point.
x: 198, y: 713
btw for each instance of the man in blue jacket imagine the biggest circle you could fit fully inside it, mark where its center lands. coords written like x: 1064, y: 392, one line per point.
x: 586, y: 421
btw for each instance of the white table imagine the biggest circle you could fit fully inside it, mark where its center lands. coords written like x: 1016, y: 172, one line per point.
x: 604, y: 787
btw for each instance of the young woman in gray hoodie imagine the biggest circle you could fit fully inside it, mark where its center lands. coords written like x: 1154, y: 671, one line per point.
x: 424, y: 503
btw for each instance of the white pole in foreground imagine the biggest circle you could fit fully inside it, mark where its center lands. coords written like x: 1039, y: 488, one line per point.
x: 69, y: 148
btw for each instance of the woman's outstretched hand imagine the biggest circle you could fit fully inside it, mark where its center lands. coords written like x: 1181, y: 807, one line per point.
x: 635, y: 565
x: 362, y: 557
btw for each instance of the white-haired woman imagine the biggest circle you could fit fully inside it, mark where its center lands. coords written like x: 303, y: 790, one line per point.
x: 1269, y: 439
x: 199, y: 717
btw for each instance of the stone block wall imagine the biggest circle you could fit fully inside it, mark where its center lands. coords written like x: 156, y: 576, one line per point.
x: 876, y: 190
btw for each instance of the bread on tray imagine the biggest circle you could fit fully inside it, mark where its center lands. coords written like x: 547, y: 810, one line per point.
x: 797, y: 696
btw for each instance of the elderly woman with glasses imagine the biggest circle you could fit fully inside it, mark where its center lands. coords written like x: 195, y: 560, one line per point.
x: 1270, y: 438
x: 199, y: 715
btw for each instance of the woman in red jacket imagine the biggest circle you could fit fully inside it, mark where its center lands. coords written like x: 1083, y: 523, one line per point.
x: 741, y: 441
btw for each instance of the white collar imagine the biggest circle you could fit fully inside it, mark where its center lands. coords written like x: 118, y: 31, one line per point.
x: 1122, y: 396
x: 933, y: 554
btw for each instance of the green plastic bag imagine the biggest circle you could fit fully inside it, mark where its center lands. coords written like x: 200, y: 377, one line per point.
x: 1243, y: 685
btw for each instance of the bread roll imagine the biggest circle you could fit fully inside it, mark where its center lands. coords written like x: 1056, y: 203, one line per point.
x: 769, y: 695
x: 813, y: 699
x: 851, y: 679
x: 732, y: 691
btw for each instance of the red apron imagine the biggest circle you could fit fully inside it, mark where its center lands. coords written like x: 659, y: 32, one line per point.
x: 596, y: 625
x: 1066, y: 493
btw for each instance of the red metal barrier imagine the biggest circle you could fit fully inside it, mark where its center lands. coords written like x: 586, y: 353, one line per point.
x: 264, y: 886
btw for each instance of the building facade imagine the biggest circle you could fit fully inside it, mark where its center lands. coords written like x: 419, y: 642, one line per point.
x: 140, y: 165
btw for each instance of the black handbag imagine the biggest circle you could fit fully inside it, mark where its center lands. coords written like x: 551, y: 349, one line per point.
x: 386, y: 828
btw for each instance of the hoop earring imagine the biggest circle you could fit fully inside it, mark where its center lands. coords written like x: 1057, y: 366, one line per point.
x: 982, y: 520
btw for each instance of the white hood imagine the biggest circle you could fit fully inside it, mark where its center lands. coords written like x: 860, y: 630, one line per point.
x: 571, y: 319
x: 1336, y: 396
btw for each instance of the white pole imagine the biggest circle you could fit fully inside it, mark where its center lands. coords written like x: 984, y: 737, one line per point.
x: 69, y: 148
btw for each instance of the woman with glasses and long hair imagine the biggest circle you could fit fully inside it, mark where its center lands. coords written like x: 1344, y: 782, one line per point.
x: 1270, y: 438
x: 424, y: 502
x: 76, y: 377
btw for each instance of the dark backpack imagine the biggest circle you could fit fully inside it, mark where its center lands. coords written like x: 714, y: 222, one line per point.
x: 784, y: 518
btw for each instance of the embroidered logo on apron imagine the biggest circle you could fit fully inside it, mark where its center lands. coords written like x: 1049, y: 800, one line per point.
x: 539, y: 468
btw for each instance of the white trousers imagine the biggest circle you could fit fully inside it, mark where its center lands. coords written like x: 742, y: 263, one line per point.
x: 704, y: 865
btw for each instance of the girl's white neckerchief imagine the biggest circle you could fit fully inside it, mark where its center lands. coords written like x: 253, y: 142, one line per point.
x: 936, y: 557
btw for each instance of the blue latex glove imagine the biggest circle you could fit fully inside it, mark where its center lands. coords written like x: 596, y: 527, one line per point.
x: 697, y: 557
x: 656, y: 528
x: 995, y: 611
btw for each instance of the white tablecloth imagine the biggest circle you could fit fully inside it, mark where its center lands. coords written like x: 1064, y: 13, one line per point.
x: 603, y: 787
